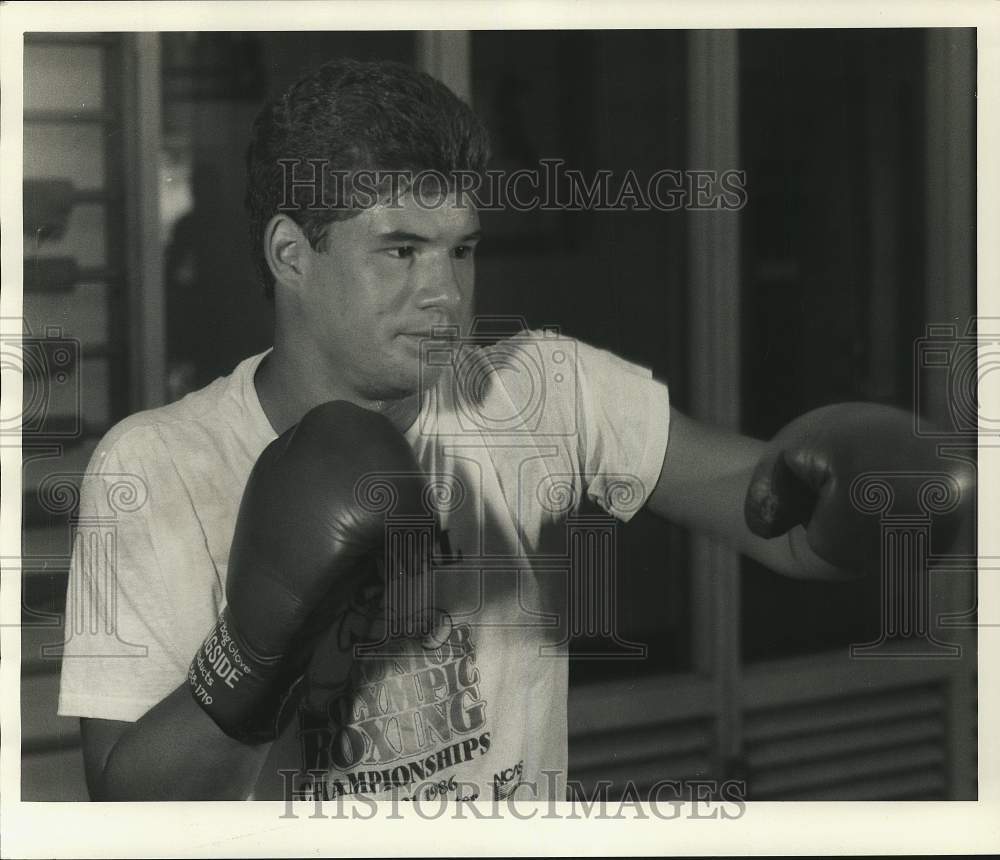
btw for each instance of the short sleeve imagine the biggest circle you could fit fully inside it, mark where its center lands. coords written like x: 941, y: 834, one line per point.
x: 609, y: 416
x: 622, y: 424
x: 140, y: 587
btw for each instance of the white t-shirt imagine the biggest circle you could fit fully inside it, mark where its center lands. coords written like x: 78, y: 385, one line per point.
x: 513, y: 435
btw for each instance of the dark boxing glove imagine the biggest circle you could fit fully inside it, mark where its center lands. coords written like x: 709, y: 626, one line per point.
x: 807, y: 471
x: 306, y: 539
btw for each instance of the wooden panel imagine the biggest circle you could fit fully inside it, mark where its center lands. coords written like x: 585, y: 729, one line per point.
x: 608, y: 705
x: 57, y: 149
x: 642, y: 775
x: 831, y: 744
x: 851, y: 746
x: 41, y: 728
x: 836, y: 776
x: 72, y: 460
x: 923, y: 785
x: 84, y: 391
x: 51, y: 761
x: 833, y: 675
x: 80, y: 313
x: 627, y: 744
x: 72, y: 133
x: 640, y: 732
x: 84, y: 238
x: 34, y: 639
x: 714, y: 291
x: 843, y: 713
x: 63, y: 77
x: 53, y: 543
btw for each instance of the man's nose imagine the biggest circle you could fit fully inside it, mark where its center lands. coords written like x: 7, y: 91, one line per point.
x: 439, y: 284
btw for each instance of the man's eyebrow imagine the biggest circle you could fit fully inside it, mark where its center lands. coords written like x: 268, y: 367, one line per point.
x: 402, y: 236
x: 406, y: 236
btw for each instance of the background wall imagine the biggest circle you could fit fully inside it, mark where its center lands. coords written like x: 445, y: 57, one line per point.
x: 75, y: 355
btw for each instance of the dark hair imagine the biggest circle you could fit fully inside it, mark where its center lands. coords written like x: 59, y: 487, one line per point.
x: 354, y: 115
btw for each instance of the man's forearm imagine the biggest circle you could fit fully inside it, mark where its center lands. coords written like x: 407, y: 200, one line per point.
x: 704, y: 481
x: 173, y: 752
x: 751, y: 494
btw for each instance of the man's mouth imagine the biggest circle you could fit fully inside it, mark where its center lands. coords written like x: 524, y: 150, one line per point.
x: 444, y: 332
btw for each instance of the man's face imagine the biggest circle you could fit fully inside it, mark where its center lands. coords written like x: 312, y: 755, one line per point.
x: 382, y: 281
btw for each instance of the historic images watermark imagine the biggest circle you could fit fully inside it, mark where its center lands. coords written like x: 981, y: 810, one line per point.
x: 311, y: 184
x: 665, y: 799
x: 47, y: 422
x: 914, y: 508
x: 49, y: 365
x: 949, y: 366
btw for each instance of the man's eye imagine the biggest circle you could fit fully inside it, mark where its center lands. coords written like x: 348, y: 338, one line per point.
x: 402, y: 252
x: 463, y: 251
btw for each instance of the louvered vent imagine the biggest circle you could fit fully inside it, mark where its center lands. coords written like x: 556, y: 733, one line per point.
x: 884, y: 745
x: 622, y: 731
x: 642, y: 754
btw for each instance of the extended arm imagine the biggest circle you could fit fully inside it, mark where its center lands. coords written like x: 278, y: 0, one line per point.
x: 792, y: 503
x: 703, y: 484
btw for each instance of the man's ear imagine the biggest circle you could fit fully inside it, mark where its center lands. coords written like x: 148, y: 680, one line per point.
x: 286, y: 249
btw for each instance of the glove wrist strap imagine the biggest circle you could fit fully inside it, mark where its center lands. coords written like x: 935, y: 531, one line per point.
x: 241, y: 690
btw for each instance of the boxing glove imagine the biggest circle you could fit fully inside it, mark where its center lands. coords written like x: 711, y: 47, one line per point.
x: 807, y: 474
x: 309, y: 533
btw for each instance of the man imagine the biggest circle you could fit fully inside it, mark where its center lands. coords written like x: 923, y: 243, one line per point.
x: 256, y: 562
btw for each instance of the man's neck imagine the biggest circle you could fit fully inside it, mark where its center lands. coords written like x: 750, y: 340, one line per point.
x: 287, y: 391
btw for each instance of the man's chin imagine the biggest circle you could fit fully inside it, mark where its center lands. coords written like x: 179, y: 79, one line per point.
x: 416, y: 376
x: 409, y: 381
